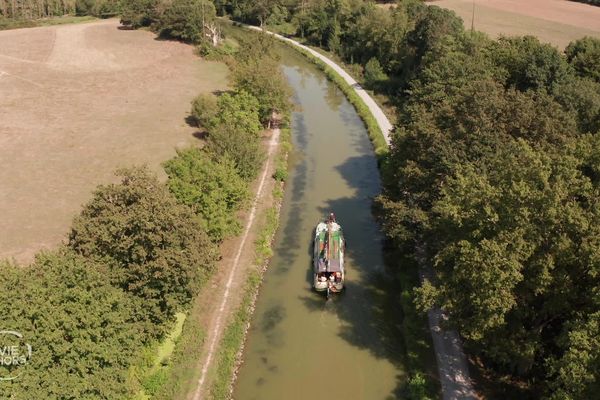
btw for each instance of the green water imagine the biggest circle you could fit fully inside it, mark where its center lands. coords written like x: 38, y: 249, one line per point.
x: 301, y: 346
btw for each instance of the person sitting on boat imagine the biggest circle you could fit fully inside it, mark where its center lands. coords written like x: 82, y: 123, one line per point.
x: 331, y: 218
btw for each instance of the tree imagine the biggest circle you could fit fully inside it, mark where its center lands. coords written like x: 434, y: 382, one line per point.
x: 156, y: 248
x: 575, y: 374
x: 584, y: 56
x: 374, y: 74
x: 204, y: 110
x: 80, y: 327
x: 239, y: 110
x: 212, y: 188
x: 227, y: 141
x: 582, y: 97
x: 188, y: 20
x: 256, y: 71
x: 138, y: 13
x: 530, y: 64
x: 515, y: 252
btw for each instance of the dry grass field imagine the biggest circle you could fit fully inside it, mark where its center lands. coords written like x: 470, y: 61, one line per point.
x: 77, y: 102
x: 553, y: 21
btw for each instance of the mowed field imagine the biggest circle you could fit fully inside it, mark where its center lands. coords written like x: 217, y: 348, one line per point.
x: 553, y: 21
x: 76, y: 103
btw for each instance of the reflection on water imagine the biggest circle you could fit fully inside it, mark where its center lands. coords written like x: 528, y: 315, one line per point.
x: 301, y: 346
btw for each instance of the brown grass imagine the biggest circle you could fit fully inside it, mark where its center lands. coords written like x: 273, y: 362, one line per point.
x: 554, y: 21
x: 76, y: 102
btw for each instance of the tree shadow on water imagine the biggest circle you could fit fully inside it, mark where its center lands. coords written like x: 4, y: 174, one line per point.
x: 370, y: 309
x: 287, y: 248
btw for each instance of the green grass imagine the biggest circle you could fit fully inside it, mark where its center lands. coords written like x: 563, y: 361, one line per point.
x: 178, y: 379
x: 152, y: 372
x: 9, y: 23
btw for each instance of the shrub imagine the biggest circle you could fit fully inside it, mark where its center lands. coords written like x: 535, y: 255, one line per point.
x: 204, y: 109
x: 243, y: 148
x: 238, y: 111
x: 374, y: 74
x: 138, y: 13
x: 212, y: 188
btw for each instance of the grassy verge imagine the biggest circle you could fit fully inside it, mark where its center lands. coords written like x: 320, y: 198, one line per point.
x: 232, y: 344
x: 9, y: 23
x: 174, y: 382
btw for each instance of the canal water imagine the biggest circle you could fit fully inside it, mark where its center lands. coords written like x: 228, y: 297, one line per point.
x: 301, y: 346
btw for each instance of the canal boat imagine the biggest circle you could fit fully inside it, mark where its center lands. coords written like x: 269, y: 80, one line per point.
x: 328, y: 258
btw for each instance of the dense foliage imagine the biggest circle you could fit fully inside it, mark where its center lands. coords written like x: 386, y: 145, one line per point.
x: 31, y: 10
x: 140, y: 250
x: 492, y: 177
x: 186, y: 19
x: 80, y: 328
x: 211, y: 187
x: 155, y: 248
x: 256, y: 70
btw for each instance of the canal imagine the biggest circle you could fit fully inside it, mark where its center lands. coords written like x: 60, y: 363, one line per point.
x: 301, y: 346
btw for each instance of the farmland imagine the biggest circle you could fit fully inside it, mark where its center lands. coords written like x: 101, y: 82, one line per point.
x: 77, y: 102
x: 554, y: 21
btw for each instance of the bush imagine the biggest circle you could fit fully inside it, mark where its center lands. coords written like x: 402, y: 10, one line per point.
x: 243, y: 148
x: 238, y: 111
x: 257, y: 72
x: 212, y: 188
x: 417, y: 388
x: 156, y: 248
x: 138, y: 13
x: 280, y: 174
x: 204, y: 110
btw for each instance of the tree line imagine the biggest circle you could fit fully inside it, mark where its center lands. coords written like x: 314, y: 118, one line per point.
x: 592, y: 2
x: 140, y: 250
x: 36, y: 9
x: 492, y: 177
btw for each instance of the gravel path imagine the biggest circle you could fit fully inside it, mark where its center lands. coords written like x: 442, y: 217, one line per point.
x: 452, y: 362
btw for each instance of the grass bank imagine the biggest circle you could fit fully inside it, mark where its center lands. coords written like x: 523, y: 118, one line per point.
x: 229, y: 355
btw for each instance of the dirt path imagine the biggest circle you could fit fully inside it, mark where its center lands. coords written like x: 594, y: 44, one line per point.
x: 225, y: 289
x: 452, y: 362
x: 77, y: 102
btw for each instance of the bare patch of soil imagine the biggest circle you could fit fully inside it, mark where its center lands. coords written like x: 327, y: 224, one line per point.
x: 77, y: 102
